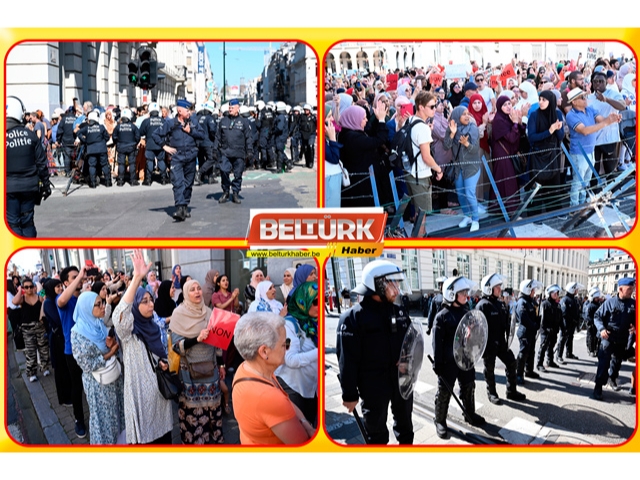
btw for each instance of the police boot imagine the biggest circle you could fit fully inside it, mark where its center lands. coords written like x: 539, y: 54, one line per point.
x: 468, y: 400
x: 512, y: 393
x: 198, y: 179
x: 163, y: 179
x: 108, y: 182
x: 92, y: 182
x: 492, y: 394
x: 235, y: 198
x: 179, y: 214
x: 597, y: 392
x: 440, y: 417
x: 224, y: 198
x: 187, y: 212
x: 147, y: 180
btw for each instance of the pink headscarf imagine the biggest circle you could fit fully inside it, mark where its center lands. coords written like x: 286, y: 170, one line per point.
x: 352, y: 118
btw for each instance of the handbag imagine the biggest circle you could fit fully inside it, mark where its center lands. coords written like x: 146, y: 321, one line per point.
x: 519, y: 161
x: 199, y: 370
x: 173, y: 356
x: 169, y: 383
x: 109, y: 373
x: 450, y: 173
x: 346, y: 181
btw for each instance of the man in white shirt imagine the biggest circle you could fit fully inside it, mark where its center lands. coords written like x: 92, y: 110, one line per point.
x: 486, y: 92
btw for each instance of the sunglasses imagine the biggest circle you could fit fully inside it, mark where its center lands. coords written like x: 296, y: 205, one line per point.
x: 27, y: 287
x: 431, y: 106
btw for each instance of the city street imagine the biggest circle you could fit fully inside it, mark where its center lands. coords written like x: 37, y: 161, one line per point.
x: 135, y: 212
x: 557, y: 410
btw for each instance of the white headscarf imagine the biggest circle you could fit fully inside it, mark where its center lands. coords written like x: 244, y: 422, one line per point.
x: 532, y: 94
x: 628, y: 91
x: 262, y: 299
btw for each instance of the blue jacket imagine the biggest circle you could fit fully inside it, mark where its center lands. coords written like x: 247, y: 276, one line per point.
x: 617, y: 317
x: 172, y: 134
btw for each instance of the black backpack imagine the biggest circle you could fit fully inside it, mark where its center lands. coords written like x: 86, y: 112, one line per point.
x: 403, y: 145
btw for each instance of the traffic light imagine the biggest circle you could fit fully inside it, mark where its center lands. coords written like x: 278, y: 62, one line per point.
x: 134, y: 76
x: 145, y: 69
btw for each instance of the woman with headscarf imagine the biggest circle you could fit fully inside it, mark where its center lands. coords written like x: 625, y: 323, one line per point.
x: 545, y: 131
x: 528, y: 96
x: 209, y: 286
x: 176, y: 276
x: 265, y: 299
x: 92, y: 346
x: 299, y: 374
x: 441, y: 188
x: 101, y: 289
x: 148, y: 415
x: 199, y: 411
x: 52, y: 288
x: 480, y: 113
x: 359, y: 152
x: 282, y: 292
x: 507, y: 128
x: 304, y: 273
x: 250, y: 290
x: 165, y: 304
x: 456, y: 95
x: 183, y: 279
x: 463, y: 140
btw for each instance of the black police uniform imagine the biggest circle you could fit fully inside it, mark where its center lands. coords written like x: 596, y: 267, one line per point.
x: 550, y: 322
x: 95, y: 137
x: 65, y: 136
x: 499, y: 324
x: 570, y: 320
x: 255, y: 137
x: 280, y: 133
x: 207, y: 159
x: 126, y: 137
x: 233, y: 143
x: 593, y: 339
x: 265, y: 141
x: 26, y: 167
x: 369, y: 341
x: 296, y: 139
x: 153, y: 151
x: 529, y: 324
x: 616, y: 316
x: 308, y: 127
x: 183, y: 162
x: 434, y: 308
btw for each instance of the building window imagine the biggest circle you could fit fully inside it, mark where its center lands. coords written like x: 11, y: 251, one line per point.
x: 484, y: 267
x: 410, y: 265
x: 463, y: 265
x: 510, y: 274
x: 519, y: 273
x: 626, y: 266
x: 617, y: 276
x: 439, y: 267
x: 499, y: 267
x: 617, y: 267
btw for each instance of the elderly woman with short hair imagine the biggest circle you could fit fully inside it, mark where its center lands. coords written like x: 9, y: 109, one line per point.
x: 263, y: 410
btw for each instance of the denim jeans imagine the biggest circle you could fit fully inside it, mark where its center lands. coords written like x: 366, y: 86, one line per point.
x: 578, y: 193
x: 466, y: 190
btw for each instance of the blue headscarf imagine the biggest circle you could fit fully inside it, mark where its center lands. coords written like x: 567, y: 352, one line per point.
x: 87, y: 324
x: 145, y: 328
x: 302, y: 272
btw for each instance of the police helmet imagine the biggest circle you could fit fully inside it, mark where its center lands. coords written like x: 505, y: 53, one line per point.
x: 15, y: 108
x: 288, y: 108
x: 210, y: 106
x: 377, y: 275
x: 93, y: 116
x: 307, y: 107
x: 224, y: 108
x: 260, y: 104
x: 529, y: 285
x: 199, y: 107
x: 126, y: 113
x: 297, y: 108
x: 271, y: 105
x: 281, y: 107
x: 252, y: 109
x: 454, y: 285
x: 490, y: 281
x: 595, y: 293
x: 573, y: 287
x: 441, y: 280
x: 244, y: 111
x: 553, y: 288
x: 154, y: 107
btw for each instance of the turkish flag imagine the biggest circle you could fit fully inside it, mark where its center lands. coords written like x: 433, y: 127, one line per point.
x: 221, y: 327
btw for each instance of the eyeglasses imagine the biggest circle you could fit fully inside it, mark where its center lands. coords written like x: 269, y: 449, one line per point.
x: 287, y: 343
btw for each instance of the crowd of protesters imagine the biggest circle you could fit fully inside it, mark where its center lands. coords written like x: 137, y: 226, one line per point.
x: 105, y: 333
x: 516, y: 116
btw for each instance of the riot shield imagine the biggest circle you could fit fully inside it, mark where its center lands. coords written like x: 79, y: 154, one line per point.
x: 411, y: 357
x: 470, y: 339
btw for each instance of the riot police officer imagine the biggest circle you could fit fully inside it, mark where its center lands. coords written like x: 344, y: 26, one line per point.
x: 266, y: 120
x: 27, y: 173
x: 527, y: 317
x: 245, y: 112
x: 178, y: 137
x: 370, y: 336
x: 570, y: 320
x: 126, y: 137
x: 294, y: 134
x: 280, y: 134
x: 95, y: 137
x: 153, y: 151
x: 206, y: 156
x: 550, y: 321
x: 65, y: 137
x: 594, y: 300
x: 498, y: 321
x: 255, y: 134
x: 614, y: 320
x: 455, y: 293
x: 308, y: 128
x: 436, y: 304
x: 233, y: 143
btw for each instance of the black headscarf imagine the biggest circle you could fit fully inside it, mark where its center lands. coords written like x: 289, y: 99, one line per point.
x: 145, y: 328
x: 96, y: 287
x: 164, y: 304
x: 548, y: 116
x: 50, y: 288
x: 456, y: 98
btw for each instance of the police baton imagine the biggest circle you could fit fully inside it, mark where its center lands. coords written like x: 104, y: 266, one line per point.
x: 361, y: 427
x: 446, y: 384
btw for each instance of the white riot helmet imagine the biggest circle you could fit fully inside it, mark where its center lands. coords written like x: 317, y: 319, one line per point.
x: 260, y: 105
x: 490, y: 281
x: 252, y: 109
x: 244, y: 111
x: 529, y: 285
x: 553, y: 288
x: 595, y: 293
x: 224, y: 108
x: 573, y: 287
x: 154, y: 107
x: 210, y: 106
x: 15, y: 108
x: 378, y: 275
x: 297, y: 108
x: 126, y: 113
x: 281, y: 107
x: 93, y: 116
x: 454, y: 285
x: 271, y: 105
x: 307, y: 107
x: 199, y: 107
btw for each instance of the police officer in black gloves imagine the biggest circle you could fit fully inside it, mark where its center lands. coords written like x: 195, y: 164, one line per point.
x: 65, y: 137
x: 570, y: 320
x: 233, y: 143
x: 206, y: 154
x: 594, y: 300
x: 308, y: 128
x: 126, y: 137
x: 95, y: 137
x: 615, y: 321
x: 266, y: 119
x: 455, y: 293
x: 497, y: 315
x: 27, y: 173
x: 550, y: 322
x: 435, y: 305
x: 370, y: 336
x: 526, y: 315
x: 178, y: 137
x: 280, y: 134
x: 153, y: 151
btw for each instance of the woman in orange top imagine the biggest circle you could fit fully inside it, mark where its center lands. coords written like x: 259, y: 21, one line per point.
x: 263, y: 410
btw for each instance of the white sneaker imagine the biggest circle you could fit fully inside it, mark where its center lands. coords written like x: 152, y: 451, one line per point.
x: 33, y: 378
x: 474, y: 226
x: 46, y: 373
x: 465, y: 221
